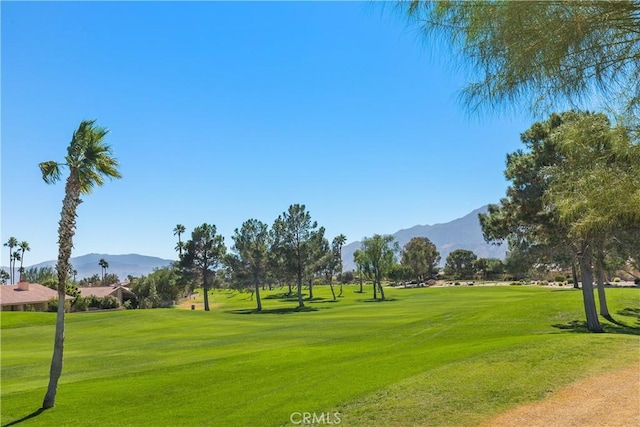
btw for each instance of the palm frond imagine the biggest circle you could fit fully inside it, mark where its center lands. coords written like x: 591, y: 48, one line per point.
x: 51, y: 172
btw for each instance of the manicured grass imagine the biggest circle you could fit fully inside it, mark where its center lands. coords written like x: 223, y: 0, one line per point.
x: 430, y: 356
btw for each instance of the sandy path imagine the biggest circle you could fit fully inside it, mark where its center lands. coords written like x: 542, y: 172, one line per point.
x: 611, y: 400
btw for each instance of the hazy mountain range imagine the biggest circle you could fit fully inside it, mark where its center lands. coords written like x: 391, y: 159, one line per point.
x: 461, y: 233
x: 122, y: 265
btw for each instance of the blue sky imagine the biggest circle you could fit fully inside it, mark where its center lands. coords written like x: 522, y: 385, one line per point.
x: 221, y: 112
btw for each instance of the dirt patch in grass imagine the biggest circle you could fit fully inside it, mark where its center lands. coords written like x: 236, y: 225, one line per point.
x: 611, y: 400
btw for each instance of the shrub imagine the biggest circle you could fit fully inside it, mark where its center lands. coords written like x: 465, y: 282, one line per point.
x: 109, y: 302
x: 637, y: 281
x: 616, y: 279
x: 515, y: 284
x: 543, y: 283
x: 456, y: 284
x: 558, y: 278
x: 570, y: 281
x: 80, y: 304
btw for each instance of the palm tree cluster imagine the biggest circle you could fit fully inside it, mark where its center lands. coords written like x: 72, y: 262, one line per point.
x: 17, y: 255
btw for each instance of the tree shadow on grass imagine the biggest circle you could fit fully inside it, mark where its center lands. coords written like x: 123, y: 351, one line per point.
x: 580, y: 326
x: 282, y: 310
x: 377, y: 300
x: 25, y: 418
x: 285, y: 296
x: 631, y: 312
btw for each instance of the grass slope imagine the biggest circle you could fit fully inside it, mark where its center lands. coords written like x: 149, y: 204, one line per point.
x: 438, y: 356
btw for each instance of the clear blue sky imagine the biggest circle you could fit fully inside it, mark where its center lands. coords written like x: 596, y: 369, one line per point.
x: 221, y: 112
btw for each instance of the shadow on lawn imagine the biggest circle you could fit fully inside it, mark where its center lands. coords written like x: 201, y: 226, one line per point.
x: 377, y: 300
x: 616, y: 328
x: 285, y: 296
x: 282, y: 310
x: 25, y: 418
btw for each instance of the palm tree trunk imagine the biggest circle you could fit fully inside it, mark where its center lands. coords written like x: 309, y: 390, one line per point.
x: 56, y: 360
x: 593, y: 324
x: 66, y: 231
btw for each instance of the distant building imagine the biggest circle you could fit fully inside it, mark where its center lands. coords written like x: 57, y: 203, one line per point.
x: 25, y: 296
x: 119, y: 291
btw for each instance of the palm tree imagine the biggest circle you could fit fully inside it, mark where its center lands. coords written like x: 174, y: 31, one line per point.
x: 104, y: 265
x: 178, y: 231
x: 24, y: 246
x: 339, y: 242
x: 89, y: 161
x: 11, y: 243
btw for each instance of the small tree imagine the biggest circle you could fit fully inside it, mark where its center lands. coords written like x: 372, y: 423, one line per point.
x: 293, y: 234
x: 421, y: 255
x: 203, y: 255
x: 251, y: 244
x: 460, y: 264
x: 379, y: 255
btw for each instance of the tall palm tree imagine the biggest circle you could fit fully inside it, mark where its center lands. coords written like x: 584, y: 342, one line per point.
x: 24, y: 246
x: 89, y: 161
x: 178, y: 231
x: 338, y: 243
x: 103, y: 265
x: 11, y: 243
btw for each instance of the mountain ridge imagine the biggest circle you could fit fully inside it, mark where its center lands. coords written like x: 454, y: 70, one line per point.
x: 123, y: 265
x: 461, y: 233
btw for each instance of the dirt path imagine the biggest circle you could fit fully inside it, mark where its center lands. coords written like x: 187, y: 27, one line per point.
x: 611, y: 400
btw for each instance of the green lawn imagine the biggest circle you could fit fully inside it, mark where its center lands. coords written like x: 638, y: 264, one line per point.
x: 430, y: 356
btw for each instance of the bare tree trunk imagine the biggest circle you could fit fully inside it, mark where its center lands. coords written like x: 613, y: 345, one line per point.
x: 300, y: 302
x: 602, y: 298
x: 381, y: 290
x: 333, y: 293
x: 258, y: 302
x: 593, y: 324
x: 574, y: 274
x: 375, y: 285
x: 310, y: 289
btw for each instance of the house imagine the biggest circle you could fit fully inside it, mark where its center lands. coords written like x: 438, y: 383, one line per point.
x: 26, y: 296
x: 118, y: 290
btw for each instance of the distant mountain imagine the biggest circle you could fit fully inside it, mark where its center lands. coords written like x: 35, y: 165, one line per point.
x: 461, y: 233
x: 122, y: 265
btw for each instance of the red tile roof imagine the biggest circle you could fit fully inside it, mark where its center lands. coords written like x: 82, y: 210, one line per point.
x: 36, y: 294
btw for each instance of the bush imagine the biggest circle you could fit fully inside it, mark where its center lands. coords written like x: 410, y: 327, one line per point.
x: 616, y: 279
x: 109, y: 302
x: 558, y: 278
x: 515, y: 284
x: 456, y: 284
x: 570, y: 281
x: 80, y: 304
x: 637, y: 281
